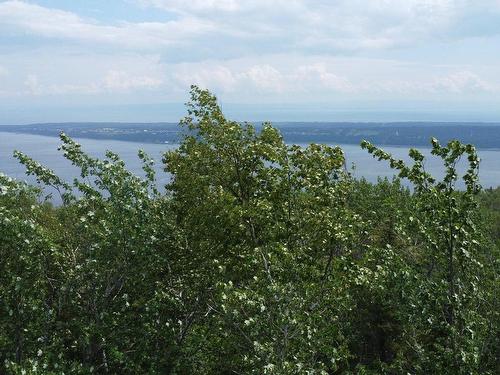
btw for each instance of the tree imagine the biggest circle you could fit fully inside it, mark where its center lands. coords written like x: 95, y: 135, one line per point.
x: 443, y: 294
x: 259, y: 257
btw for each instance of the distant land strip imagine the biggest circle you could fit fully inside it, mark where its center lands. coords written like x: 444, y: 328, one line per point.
x: 482, y: 135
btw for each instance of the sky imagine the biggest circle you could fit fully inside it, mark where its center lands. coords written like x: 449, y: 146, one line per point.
x: 278, y: 60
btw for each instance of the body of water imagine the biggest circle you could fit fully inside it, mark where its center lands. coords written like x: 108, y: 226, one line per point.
x: 44, y: 150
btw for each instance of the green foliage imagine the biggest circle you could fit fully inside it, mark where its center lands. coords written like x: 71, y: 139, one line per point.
x: 445, y: 293
x: 261, y: 257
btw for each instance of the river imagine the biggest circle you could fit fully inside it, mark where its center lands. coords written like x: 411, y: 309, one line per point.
x: 44, y: 150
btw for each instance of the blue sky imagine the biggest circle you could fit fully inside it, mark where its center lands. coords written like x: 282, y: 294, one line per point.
x: 330, y: 60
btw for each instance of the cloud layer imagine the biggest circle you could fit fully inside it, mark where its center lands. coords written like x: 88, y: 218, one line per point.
x: 272, y: 50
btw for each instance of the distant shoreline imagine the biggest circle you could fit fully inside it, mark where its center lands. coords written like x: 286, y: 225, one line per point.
x: 483, y: 135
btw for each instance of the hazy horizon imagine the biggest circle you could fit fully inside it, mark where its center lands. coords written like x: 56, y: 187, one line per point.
x: 173, y: 112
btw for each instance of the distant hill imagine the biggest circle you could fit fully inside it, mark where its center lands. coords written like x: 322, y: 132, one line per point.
x: 483, y: 135
x: 130, y: 132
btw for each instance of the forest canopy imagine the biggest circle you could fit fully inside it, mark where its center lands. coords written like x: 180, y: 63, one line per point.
x: 258, y: 257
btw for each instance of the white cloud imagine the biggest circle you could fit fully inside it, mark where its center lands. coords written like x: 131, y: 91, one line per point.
x: 33, y: 85
x: 300, y: 78
x: 342, y: 25
x: 58, y: 24
x: 231, y: 26
x: 296, y: 50
x: 113, y: 82
x: 74, y: 74
x: 280, y: 75
x: 462, y: 82
x: 195, y: 5
x: 277, y: 77
x: 266, y: 77
x: 119, y: 80
x: 217, y: 77
x: 318, y: 75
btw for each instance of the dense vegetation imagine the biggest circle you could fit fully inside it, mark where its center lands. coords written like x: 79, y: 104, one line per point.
x: 259, y: 258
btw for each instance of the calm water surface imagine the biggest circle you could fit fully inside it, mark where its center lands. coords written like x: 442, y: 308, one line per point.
x: 44, y: 150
